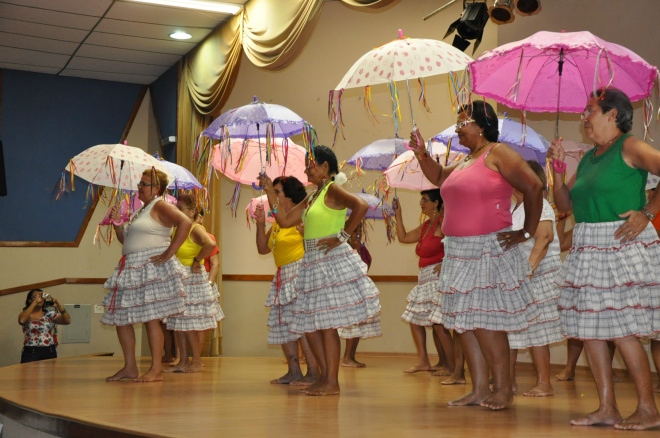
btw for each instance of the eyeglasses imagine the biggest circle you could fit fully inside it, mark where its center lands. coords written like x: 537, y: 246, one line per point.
x: 463, y: 124
x: 424, y: 200
x: 587, y: 112
x: 144, y: 184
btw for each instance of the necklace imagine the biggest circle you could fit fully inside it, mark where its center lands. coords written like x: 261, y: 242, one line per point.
x: 312, y: 199
x: 137, y: 215
x: 473, y: 153
x: 608, y: 144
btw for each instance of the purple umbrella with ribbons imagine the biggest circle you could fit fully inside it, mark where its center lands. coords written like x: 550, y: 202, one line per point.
x: 183, y: 178
x: 378, y: 210
x: 378, y: 155
x: 523, y: 139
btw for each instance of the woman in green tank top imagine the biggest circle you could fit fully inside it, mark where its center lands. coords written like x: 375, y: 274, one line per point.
x: 332, y: 286
x: 609, y: 280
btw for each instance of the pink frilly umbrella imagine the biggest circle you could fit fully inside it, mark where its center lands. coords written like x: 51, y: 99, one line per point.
x: 558, y: 71
x: 245, y: 160
x: 251, y: 208
x: 405, y: 173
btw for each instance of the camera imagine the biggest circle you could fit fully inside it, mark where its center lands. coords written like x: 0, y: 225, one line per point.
x: 48, y: 300
x: 45, y: 296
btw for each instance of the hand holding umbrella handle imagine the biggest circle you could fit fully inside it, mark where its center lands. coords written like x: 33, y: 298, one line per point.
x: 559, y: 166
x: 256, y: 187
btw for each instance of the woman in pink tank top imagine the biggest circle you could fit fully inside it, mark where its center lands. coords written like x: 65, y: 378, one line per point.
x: 484, y: 280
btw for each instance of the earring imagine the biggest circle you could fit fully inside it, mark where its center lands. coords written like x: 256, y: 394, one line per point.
x: 481, y: 133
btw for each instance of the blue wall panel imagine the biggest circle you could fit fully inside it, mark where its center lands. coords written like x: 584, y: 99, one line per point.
x: 46, y: 120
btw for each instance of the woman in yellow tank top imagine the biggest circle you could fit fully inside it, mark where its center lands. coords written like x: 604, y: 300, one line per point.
x: 333, y: 288
x: 202, y: 308
x: 286, y: 245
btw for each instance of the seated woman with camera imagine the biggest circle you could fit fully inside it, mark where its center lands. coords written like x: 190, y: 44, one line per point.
x: 38, y: 320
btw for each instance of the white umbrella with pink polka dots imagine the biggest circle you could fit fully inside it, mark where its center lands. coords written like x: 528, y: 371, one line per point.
x: 114, y: 165
x: 402, y: 59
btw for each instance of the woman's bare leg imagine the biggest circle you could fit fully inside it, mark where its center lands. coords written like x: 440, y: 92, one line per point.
x: 168, y: 343
x: 513, y: 357
x: 196, y: 343
x: 478, y: 371
x: 349, y: 354
x: 600, y: 362
x: 184, y: 353
x: 495, y: 349
x: 646, y: 415
x: 126, y: 335
x: 573, y: 351
x: 442, y: 360
x: 541, y: 359
x: 446, y: 350
x: 313, y: 370
x: 294, y: 373
x: 458, y: 376
x: 155, y: 338
x: 332, y: 350
x: 655, y: 353
x: 315, y: 341
x: 419, y: 337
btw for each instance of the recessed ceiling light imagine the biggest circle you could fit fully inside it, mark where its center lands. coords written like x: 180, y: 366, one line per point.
x: 225, y: 8
x: 178, y: 35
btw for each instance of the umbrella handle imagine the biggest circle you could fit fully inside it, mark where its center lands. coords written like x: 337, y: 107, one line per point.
x: 417, y: 135
x: 256, y: 187
x: 559, y: 166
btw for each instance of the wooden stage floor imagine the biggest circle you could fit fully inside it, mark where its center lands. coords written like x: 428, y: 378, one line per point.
x: 232, y: 398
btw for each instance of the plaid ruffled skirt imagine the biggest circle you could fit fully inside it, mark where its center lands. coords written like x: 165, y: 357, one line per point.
x: 281, y: 299
x: 420, y: 299
x: 141, y: 291
x: 610, y: 290
x: 333, y: 291
x: 545, y: 329
x: 484, y: 286
x: 203, y: 310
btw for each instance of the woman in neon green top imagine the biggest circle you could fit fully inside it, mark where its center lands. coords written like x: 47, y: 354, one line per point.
x: 333, y: 288
x: 286, y: 245
x: 609, y: 282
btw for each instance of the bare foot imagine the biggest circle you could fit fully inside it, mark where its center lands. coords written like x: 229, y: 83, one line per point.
x: 417, y: 368
x: 639, y: 420
x: 182, y: 367
x: 150, y: 376
x: 123, y: 374
x: 499, y: 400
x: 454, y: 380
x: 442, y: 371
x: 317, y: 384
x: 470, y: 399
x: 167, y: 359
x: 194, y: 368
x: 540, y: 390
x: 286, y: 379
x: 565, y: 376
x: 305, y: 381
x: 352, y: 363
x: 438, y: 366
x: 324, y: 389
x: 601, y: 417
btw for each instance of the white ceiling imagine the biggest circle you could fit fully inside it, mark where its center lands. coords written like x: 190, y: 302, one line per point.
x: 113, y: 40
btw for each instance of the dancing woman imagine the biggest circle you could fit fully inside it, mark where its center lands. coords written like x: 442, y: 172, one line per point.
x: 286, y: 245
x: 147, y: 286
x: 333, y: 288
x: 484, y: 280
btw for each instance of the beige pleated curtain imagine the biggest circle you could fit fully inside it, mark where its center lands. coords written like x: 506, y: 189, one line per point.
x: 271, y: 33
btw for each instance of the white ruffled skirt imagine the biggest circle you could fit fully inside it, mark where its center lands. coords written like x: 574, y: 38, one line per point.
x: 203, y: 310
x: 334, y: 291
x: 484, y: 286
x: 281, y: 299
x: 141, y: 291
x: 420, y: 299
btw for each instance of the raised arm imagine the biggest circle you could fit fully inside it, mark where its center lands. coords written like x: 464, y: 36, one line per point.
x: 262, y: 235
x: 402, y: 235
x: 433, y: 171
x: 560, y: 191
x: 63, y: 317
x: 115, y: 216
x: 284, y: 219
x: 24, y: 316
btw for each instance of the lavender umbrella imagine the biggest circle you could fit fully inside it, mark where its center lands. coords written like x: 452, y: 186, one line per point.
x: 183, y: 179
x: 378, y: 155
x: 255, y: 120
x: 523, y: 139
x: 378, y: 208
